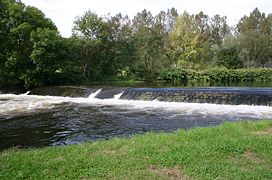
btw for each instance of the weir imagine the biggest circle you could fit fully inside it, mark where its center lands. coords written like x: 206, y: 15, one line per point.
x: 232, y: 96
x: 65, y: 91
x: 212, y: 95
x: 67, y: 115
x: 74, y: 91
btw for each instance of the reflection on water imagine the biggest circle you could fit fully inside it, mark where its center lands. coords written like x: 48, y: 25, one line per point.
x: 186, y: 84
x: 35, y: 121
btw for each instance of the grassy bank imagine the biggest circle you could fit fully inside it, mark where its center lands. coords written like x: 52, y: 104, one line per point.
x: 230, y: 151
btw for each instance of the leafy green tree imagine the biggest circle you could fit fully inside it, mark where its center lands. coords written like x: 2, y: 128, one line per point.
x: 89, y: 26
x: 142, y: 38
x: 150, y: 36
x: 121, y: 51
x: 254, y: 35
x: 219, y: 29
x: 17, y: 23
x: 256, y: 49
x: 107, y: 46
x: 256, y: 21
x: 90, y: 29
x: 196, y: 38
x: 185, y: 37
x: 47, y: 57
x: 229, y: 58
x: 203, y: 22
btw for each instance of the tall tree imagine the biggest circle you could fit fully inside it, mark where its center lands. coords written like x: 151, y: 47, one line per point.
x: 107, y: 47
x: 17, y: 23
x: 91, y: 29
x: 152, y: 43
x: 120, y: 46
x: 185, y: 37
x: 219, y: 29
x: 256, y: 21
x: 254, y: 34
x: 48, y: 57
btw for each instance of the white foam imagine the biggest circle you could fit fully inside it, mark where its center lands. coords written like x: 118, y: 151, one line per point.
x: 26, y: 93
x: 117, y: 96
x: 11, y: 104
x: 94, y: 94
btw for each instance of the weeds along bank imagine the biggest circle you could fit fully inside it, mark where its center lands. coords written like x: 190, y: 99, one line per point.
x: 217, y: 75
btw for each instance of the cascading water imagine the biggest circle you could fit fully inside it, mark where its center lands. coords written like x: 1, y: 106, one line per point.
x: 91, y: 96
x: 233, y: 96
x: 118, y: 96
x: 29, y: 120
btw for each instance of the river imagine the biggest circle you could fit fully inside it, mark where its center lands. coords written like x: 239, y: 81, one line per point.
x: 69, y: 115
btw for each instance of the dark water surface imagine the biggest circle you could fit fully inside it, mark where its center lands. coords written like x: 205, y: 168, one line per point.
x: 186, y: 84
x: 40, y: 120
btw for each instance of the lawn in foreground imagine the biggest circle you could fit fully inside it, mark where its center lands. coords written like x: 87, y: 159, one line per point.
x: 230, y: 151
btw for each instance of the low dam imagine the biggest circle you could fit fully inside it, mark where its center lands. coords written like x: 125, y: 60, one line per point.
x: 233, y: 96
x: 53, y: 116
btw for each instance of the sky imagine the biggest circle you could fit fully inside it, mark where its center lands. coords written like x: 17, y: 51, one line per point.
x: 64, y: 12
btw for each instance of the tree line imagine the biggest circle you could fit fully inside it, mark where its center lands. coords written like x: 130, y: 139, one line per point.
x: 32, y: 52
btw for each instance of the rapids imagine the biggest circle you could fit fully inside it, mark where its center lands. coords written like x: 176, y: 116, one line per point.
x: 28, y: 120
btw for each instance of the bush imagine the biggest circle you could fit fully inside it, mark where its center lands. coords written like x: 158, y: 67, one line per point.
x: 229, y: 58
x: 174, y: 75
x: 217, y: 75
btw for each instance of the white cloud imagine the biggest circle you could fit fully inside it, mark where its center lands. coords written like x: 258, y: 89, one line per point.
x: 63, y: 12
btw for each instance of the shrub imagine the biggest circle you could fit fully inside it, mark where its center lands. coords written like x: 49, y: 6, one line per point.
x: 217, y: 75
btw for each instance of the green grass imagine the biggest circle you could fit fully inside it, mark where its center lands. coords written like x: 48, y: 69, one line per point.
x: 231, y: 151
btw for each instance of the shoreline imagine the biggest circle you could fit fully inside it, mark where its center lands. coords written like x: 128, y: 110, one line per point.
x: 240, y: 150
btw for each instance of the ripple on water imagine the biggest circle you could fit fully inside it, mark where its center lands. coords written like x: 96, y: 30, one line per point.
x: 35, y: 121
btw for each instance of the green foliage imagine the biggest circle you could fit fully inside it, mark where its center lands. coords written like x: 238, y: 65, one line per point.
x: 32, y: 53
x: 17, y: 23
x: 256, y: 21
x: 89, y: 26
x: 256, y: 49
x: 229, y: 58
x: 193, y: 37
x: 185, y: 37
x: 217, y: 75
x: 255, y: 40
x: 105, y: 46
x: 174, y: 75
x: 230, y: 151
x: 47, y: 56
x: 151, y: 43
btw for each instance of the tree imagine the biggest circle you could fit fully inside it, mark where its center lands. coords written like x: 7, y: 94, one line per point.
x: 89, y: 26
x: 229, y: 58
x: 47, y: 57
x: 91, y: 31
x: 254, y: 34
x: 121, y: 51
x: 149, y: 36
x: 219, y: 29
x: 185, y: 37
x: 256, y: 49
x: 16, y: 24
x: 203, y: 22
x: 256, y: 21
x: 107, y: 46
x: 171, y: 17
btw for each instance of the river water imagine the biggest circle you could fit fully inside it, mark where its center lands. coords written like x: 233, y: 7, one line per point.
x: 41, y: 120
